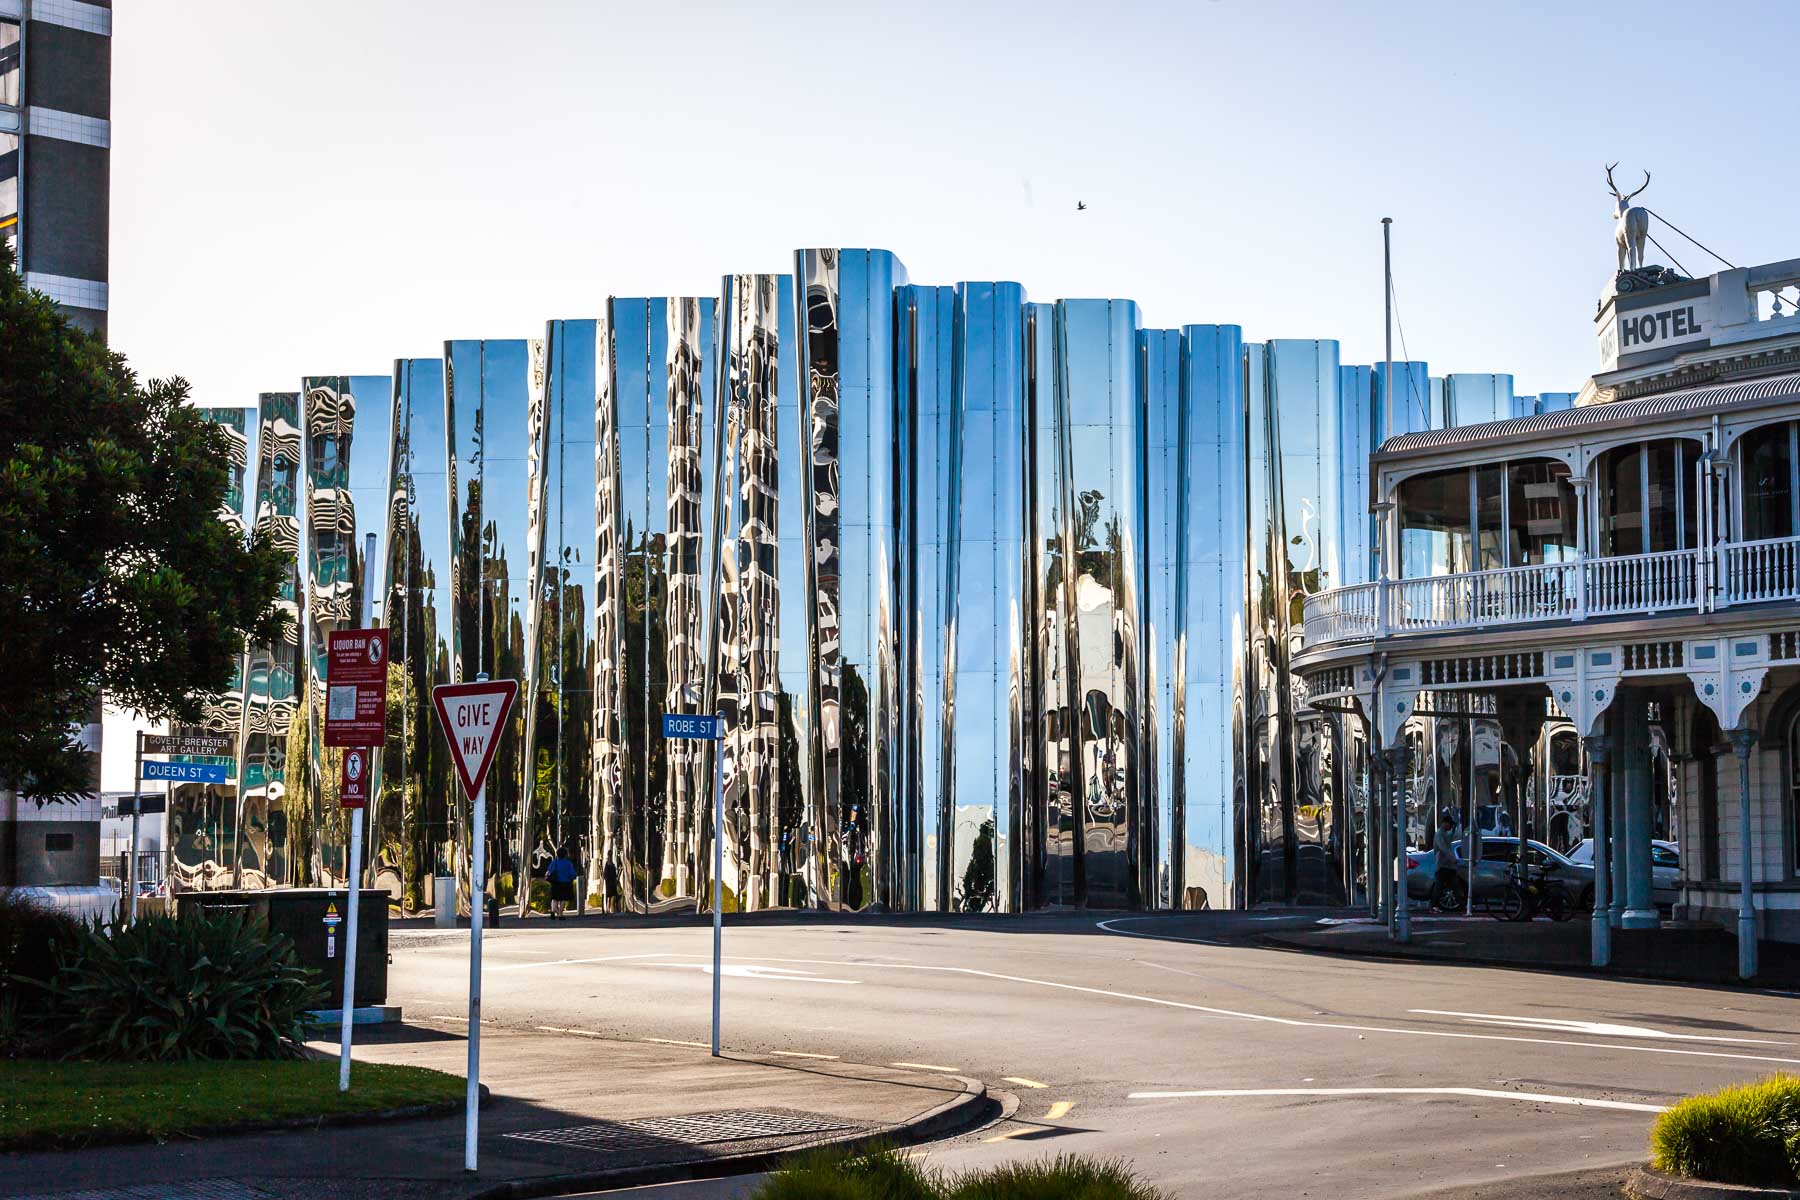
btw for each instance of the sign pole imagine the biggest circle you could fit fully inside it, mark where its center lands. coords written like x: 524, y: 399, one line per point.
x: 718, y: 875
x: 472, y: 1099
x: 353, y: 871
x: 137, y: 804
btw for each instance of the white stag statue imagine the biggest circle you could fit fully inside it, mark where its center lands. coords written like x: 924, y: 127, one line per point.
x: 1633, y: 223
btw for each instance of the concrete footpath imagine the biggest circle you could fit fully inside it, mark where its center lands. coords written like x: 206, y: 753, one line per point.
x: 1676, y: 953
x: 568, y: 1113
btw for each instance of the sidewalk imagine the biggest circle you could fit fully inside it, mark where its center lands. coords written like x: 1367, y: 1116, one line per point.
x: 593, y: 1113
x: 1681, y: 954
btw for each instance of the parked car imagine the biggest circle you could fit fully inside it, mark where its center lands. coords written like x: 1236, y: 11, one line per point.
x: 1665, y: 867
x: 1499, y: 854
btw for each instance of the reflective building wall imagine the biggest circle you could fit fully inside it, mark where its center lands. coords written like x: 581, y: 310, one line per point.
x: 997, y: 599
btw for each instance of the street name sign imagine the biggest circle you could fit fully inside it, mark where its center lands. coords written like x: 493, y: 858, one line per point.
x: 356, y: 687
x: 353, y: 788
x: 690, y: 727
x: 220, y: 745
x: 144, y: 805
x: 178, y: 772
x: 474, y: 718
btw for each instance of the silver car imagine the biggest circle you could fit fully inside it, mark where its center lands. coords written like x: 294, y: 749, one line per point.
x: 1498, y: 856
x: 1665, y: 867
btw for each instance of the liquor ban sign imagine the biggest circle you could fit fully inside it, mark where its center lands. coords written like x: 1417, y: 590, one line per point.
x: 356, y: 667
x: 474, y: 718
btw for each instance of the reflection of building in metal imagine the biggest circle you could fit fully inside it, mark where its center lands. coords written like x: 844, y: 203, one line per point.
x: 997, y: 598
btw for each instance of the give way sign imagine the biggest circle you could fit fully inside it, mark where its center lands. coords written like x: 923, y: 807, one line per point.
x: 474, y: 717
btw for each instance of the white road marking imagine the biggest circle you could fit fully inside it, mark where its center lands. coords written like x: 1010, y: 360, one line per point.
x: 677, y: 1042
x: 586, y: 1033
x: 1155, y: 937
x: 800, y: 1054
x: 1059, y: 1110
x: 1477, y: 1093
x: 570, y: 962
x: 1022, y: 1082
x: 1292, y: 1022
x: 926, y: 1067
x: 750, y: 971
x: 1596, y: 1028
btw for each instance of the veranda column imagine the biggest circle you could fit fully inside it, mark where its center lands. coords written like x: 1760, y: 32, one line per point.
x: 1639, y: 910
x: 1597, y: 752
x: 1742, y: 741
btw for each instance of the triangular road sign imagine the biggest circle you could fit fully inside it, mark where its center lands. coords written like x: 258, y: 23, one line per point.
x: 474, y: 718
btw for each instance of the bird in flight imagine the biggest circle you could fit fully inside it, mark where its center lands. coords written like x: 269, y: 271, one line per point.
x: 1081, y: 206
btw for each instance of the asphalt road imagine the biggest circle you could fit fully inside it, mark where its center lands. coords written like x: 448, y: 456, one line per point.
x: 1218, y: 1067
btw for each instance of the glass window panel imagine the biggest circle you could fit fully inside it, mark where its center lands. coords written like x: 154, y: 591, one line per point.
x: 1540, y: 513
x: 9, y: 63
x: 1768, y: 482
x: 1434, y: 524
x: 1622, y: 502
x: 1663, y: 492
x: 1490, y: 505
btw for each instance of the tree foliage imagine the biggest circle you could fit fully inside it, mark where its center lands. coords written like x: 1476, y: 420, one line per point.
x: 115, y: 574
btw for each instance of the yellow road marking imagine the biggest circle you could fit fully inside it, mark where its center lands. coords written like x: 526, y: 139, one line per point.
x: 1022, y: 1082
x: 1059, y: 1110
x: 1011, y: 1133
x: 925, y: 1067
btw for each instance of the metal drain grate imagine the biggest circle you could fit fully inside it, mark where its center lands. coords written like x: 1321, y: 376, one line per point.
x: 698, y: 1129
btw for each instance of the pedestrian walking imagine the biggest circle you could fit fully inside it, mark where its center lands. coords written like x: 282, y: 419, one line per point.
x: 561, y: 874
x: 609, y: 879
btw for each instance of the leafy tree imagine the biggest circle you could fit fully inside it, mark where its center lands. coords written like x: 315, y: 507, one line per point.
x: 116, y: 574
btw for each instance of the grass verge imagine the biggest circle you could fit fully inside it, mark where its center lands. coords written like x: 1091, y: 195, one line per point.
x: 1746, y: 1135
x: 52, y: 1105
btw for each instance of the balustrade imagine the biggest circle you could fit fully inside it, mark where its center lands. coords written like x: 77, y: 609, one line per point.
x: 1669, y: 580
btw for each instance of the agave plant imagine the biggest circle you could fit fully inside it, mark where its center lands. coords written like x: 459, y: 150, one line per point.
x: 205, y: 985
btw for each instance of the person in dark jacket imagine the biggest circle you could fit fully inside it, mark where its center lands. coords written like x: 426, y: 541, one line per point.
x: 561, y: 876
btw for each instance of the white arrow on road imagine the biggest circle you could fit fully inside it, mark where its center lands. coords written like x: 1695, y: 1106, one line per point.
x: 750, y: 971
x: 1596, y: 1028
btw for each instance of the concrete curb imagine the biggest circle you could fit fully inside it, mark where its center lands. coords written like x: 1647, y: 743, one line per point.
x: 1646, y: 1184
x: 1281, y: 941
x: 968, y: 1109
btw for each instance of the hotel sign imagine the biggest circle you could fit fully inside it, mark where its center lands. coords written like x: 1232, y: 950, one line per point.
x: 1629, y: 336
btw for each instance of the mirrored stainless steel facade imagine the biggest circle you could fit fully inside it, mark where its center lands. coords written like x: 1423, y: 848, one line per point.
x: 998, y: 599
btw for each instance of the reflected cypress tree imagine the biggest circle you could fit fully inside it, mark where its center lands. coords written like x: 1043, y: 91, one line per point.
x: 977, y: 893
x: 854, y: 788
x: 645, y: 769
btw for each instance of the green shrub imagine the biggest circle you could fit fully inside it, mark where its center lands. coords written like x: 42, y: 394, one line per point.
x: 888, y: 1175
x: 879, y: 1174
x: 1746, y: 1135
x: 204, y: 985
x: 1066, y: 1177
x: 29, y: 936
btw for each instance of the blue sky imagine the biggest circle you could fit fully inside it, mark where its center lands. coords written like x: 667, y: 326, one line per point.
x: 324, y: 187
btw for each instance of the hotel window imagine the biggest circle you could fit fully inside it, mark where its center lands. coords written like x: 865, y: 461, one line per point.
x: 1647, y: 498
x: 1771, y: 493
x: 1483, y: 518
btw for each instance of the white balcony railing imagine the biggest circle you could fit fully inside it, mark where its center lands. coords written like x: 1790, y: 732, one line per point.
x: 1735, y: 573
x: 1755, y: 572
x: 1642, y: 583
